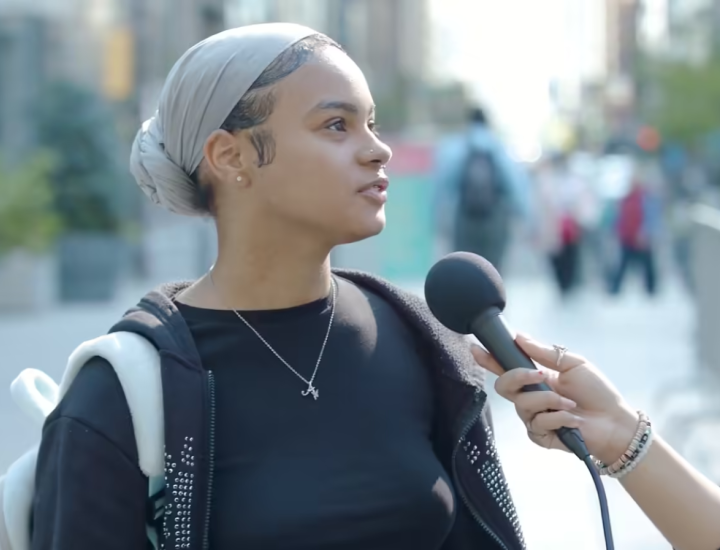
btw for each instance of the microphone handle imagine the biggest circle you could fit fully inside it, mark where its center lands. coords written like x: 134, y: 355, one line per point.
x: 498, y: 338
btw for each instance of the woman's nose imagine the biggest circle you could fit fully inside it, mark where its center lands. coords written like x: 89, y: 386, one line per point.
x: 379, y: 153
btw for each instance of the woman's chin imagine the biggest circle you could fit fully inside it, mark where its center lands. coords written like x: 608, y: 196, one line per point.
x: 365, y: 229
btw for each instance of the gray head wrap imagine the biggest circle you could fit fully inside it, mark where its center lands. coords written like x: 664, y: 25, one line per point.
x: 200, y: 92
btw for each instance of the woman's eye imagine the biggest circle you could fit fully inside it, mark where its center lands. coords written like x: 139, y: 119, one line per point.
x: 374, y: 128
x: 338, y: 126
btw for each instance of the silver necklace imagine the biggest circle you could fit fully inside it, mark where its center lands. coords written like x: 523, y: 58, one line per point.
x: 311, y: 389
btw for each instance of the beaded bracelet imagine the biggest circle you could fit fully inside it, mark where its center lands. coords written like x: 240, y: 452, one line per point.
x: 638, y: 457
x: 635, y: 452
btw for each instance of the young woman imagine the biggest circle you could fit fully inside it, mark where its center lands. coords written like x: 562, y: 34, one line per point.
x: 683, y: 505
x: 304, y: 408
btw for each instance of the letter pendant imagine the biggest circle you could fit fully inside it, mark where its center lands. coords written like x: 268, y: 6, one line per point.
x: 311, y: 390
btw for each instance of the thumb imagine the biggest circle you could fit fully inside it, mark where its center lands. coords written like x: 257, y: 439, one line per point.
x: 549, y: 356
x: 485, y: 360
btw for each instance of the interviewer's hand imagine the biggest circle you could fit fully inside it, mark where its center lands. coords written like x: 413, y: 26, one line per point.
x: 581, y: 398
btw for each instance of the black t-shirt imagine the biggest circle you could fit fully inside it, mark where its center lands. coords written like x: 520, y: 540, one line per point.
x: 354, y: 469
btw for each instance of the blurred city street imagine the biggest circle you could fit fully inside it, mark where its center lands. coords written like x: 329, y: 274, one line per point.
x: 641, y: 344
x: 575, y: 144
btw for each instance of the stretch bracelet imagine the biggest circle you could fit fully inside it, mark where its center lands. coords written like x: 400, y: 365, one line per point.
x: 638, y: 457
x: 640, y: 441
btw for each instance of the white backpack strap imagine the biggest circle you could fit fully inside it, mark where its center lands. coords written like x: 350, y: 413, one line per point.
x: 4, y: 535
x: 16, y: 492
x: 36, y: 394
x: 137, y: 365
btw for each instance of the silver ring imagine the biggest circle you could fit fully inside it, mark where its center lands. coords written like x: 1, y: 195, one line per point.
x: 561, y: 351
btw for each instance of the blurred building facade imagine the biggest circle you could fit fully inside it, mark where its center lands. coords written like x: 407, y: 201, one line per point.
x: 622, y: 49
x: 389, y: 39
x: 124, y: 48
x: 42, y: 40
x: 22, y: 62
x: 694, y: 27
x: 160, y: 31
x: 581, y: 72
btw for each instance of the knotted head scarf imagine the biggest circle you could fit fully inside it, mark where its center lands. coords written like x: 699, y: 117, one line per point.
x: 200, y: 92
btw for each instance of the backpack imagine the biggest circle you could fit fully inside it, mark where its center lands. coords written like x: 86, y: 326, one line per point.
x: 570, y: 230
x: 481, y: 188
x: 137, y: 364
x: 631, y: 218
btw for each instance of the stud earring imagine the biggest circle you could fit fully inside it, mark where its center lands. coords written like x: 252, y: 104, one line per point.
x: 239, y: 178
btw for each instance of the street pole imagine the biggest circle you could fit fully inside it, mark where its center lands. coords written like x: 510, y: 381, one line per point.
x: 21, y: 83
x: 715, y: 33
x: 212, y: 17
x: 343, y: 12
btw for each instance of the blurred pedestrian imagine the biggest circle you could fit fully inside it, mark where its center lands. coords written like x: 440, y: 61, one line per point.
x: 560, y: 198
x: 638, y: 221
x: 481, y: 191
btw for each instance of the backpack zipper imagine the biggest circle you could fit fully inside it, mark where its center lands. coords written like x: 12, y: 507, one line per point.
x: 211, y: 458
x: 476, y: 409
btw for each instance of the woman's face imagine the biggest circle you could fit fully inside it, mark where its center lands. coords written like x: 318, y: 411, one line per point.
x: 327, y: 154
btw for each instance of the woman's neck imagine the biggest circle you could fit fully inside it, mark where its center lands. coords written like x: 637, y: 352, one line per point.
x: 263, y: 266
x: 246, y: 282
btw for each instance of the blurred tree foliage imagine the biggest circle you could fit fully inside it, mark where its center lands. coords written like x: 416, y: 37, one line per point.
x: 79, y: 128
x: 687, y: 106
x: 27, y: 217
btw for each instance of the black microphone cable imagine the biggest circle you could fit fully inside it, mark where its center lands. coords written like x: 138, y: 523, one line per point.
x: 573, y: 440
x: 602, y: 497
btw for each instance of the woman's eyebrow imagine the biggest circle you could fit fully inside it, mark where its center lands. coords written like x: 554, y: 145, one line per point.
x: 346, y: 106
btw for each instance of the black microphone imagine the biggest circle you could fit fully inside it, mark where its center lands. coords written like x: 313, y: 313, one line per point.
x: 466, y: 294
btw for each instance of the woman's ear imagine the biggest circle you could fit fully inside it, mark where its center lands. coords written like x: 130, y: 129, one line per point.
x: 223, y: 156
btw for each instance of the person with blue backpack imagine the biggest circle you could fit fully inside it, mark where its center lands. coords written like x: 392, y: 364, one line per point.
x: 481, y: 191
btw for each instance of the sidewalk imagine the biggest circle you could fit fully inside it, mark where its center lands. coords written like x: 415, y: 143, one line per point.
x: 642, y: 345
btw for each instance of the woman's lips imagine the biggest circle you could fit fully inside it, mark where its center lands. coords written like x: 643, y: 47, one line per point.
x: 376, y: 191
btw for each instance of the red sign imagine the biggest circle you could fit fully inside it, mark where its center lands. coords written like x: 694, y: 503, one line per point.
x: 411, y: 159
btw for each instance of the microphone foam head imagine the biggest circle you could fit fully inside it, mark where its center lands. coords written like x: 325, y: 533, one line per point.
x: 460, y: 287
